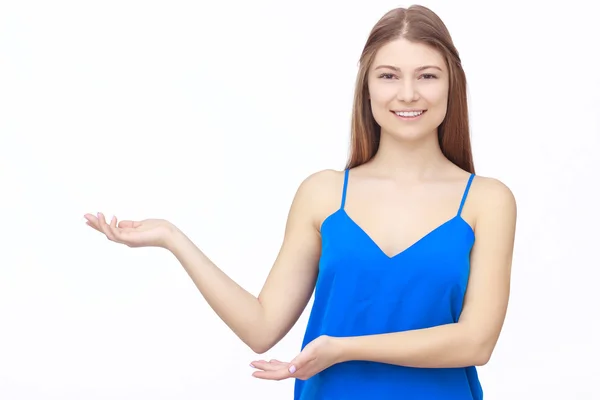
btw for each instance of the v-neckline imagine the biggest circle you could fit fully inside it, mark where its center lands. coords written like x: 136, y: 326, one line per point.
x: 411, y: 246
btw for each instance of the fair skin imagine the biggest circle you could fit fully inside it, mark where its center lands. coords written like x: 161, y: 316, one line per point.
x: 409, y: 183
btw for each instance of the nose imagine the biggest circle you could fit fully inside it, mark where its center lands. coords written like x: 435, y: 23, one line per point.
x: 407, y: 91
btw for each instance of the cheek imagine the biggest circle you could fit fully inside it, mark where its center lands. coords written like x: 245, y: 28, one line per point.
x: 382, y: 97
x: 435, y: 94
x: 380, y: 110
x: 436, y: 100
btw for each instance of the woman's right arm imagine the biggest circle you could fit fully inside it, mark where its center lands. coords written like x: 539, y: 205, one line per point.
x: 261, y: 322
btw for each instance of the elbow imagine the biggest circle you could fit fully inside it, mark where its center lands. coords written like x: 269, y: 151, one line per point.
x: 482, y: 352
x: 261, y: 345
x: 260, y: 348
x: 481, y: 358
x: 261, y: 338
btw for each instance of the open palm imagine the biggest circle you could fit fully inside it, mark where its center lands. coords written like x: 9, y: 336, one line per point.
x: 146, y: 233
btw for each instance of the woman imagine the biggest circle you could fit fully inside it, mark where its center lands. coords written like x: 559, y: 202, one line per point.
x: 408, y: 252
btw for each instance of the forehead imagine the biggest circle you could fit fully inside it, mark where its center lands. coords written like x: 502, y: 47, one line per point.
x: 408, y: 55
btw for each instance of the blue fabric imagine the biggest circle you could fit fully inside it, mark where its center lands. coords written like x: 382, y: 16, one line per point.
x: 362, y: 291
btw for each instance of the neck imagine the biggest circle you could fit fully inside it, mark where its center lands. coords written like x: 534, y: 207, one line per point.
x: 409, y: 159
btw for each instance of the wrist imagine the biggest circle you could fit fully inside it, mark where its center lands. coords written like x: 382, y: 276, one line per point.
x: 341, y: 349
x: 173, y: 238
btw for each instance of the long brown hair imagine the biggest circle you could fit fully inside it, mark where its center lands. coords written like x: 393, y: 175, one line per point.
x: 420, y: 25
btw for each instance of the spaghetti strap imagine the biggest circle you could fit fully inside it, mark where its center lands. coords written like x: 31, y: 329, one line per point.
x: 464, y: 198
x: 344, y: 190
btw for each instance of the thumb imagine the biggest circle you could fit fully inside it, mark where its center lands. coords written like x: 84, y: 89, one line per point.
x: 298, y: 362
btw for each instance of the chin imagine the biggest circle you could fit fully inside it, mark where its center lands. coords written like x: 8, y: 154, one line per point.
x: 409, y: 134
x: 410, y: 131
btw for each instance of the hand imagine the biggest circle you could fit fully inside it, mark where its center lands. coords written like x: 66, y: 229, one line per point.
x: 146, y: 233
x: 320, y: 354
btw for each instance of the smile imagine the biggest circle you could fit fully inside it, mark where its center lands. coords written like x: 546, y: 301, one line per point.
x: 409, y: 115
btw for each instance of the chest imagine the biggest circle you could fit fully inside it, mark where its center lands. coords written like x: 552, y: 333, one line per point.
x: 395, y: 223
x: 435, y: 263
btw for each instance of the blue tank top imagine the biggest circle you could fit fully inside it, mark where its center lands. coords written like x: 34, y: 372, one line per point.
x: 362, y: 291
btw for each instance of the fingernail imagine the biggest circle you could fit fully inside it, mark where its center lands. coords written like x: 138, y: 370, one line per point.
x: 252, y: 366
x: 292, y: 369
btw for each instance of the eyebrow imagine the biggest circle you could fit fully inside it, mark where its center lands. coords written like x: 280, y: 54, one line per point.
x: 424, y: 67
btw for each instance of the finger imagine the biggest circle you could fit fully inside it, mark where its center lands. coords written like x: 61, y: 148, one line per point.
x: 88, y: 223
x: 275, y: 375
x: 272, y: 361
x: 129, y: 224
x: 92, y: 221
x: 268, y: 366
x: 299, y: 361
x: 104, y: 227
x: 99, y: 222
x: 118, y: 235
x: 112, y: 228
x: 89, y: 217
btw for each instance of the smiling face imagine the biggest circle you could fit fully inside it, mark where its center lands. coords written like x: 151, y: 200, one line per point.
x: 408, y: 89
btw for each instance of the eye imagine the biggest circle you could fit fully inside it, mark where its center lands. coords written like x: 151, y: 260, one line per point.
x: 387, y: 76
x: 428, y: 76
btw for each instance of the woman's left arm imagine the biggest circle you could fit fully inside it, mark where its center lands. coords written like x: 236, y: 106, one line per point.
x: 472, y: 339
x: 468, y: 342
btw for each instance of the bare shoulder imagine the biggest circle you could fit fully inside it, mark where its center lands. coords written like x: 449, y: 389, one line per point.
x: 492, y: 199
x: 322, y: 180
x: 320, y: 194
x: 492, y: 192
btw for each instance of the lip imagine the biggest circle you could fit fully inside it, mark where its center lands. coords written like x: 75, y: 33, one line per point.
x: 409, y: 110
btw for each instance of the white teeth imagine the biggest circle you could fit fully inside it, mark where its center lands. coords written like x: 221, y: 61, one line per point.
x: 408, y: 113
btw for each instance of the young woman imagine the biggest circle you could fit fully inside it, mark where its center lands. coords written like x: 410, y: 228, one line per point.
x: 408, y: 253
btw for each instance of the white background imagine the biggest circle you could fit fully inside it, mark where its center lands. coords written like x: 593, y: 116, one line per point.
x: 210, y: 115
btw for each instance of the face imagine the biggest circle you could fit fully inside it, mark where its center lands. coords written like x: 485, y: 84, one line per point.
x: 408, y: 88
